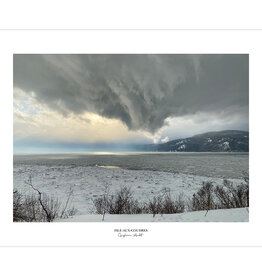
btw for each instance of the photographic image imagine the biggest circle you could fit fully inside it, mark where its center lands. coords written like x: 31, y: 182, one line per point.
x: 130, y: 138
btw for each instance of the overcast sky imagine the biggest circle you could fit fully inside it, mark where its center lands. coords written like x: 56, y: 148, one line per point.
x: 79, y: 100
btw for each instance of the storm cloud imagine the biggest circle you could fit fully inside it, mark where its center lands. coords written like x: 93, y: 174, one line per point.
x: 140, y: 90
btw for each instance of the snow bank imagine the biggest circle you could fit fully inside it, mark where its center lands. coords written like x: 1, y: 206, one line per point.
x: 221, y: 215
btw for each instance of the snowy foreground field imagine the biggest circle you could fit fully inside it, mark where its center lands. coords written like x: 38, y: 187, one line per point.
x: 89, y: 182
x: 222, y: 215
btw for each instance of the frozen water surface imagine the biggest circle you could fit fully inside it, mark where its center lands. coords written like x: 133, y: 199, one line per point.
x: 229, y: 165
x: 146, y: 173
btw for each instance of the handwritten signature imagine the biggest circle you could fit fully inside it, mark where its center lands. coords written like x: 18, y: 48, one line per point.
x: 120, y: 235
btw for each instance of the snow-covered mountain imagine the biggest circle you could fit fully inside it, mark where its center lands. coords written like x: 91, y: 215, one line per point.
x: 217, y: 141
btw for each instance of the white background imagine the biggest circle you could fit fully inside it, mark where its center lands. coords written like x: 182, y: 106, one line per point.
x: 167, y: 234
x: 130, y: 14
x: 135, y: 14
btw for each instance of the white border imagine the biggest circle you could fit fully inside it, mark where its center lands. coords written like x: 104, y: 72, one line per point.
x: 131, y: 14
x: 102, y: 234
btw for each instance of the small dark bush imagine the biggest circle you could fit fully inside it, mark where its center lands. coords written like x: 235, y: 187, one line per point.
x: 100, y: 205
x: 224, y: 198
x: 71, y: 212
x: 230, y: 196
x: 204, y: 198
x: 39, y: 206
x: 208, y: 197
x: 122, y: 202
x: 18, y: 209
x: 28, y: 208
x: 170, y: 205
x: 155, y: 205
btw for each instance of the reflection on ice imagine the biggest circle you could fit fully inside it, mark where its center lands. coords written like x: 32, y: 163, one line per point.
x: 108, y: 167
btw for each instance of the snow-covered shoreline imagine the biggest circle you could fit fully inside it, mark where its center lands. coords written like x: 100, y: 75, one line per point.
x: 89, y: 182
x: 221, y: 215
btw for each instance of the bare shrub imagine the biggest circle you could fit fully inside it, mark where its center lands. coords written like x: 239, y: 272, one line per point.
x: 122, y: 202
x: 155, y: 205
x: 101, y: 203
x: 208, y: 197
x: 29, y: 209
x: 65, y: 212
x: 204, y: 198
x: 165, y: 204
x: 230, y: 196
x: 224, y: 198
x: 39, y: 206
x: 170, y: 205
x: 32, y: 209
x: 71, y: 212
x: 18, y: 213
x: 134, y: 207
x: 246, y: 179
x: 180, y: 203
x: 50, y: 205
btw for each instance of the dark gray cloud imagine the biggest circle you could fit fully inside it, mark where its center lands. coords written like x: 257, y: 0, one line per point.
x: 140, y: 90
